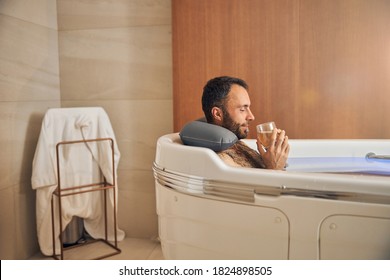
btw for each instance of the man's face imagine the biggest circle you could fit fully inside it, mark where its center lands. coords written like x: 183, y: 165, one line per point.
x: 237, y: 113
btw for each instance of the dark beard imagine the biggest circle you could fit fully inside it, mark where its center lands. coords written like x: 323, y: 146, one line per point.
x: 228, y: 123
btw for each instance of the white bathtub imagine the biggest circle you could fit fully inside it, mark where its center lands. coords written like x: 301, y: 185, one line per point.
x: 208, y: 210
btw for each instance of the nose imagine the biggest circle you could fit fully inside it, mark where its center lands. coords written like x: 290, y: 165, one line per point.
x: 250, y: 116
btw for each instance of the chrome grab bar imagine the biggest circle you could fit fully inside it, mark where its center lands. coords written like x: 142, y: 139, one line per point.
x: 375, y: 156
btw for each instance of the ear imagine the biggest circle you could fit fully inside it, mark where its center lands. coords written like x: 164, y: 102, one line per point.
x: 217, y: 114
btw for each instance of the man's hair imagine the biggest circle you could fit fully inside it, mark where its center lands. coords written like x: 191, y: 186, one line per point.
x: 215, y: 94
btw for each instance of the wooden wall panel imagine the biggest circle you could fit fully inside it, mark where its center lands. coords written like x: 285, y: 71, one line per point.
x: 320, y: 69
x: 344, y: 69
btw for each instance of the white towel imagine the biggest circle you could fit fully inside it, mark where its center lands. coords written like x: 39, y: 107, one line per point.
x: 80, y: 164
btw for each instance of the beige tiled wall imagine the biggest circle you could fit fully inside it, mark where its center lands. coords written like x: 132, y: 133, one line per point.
x: 29, y: 84
x: 117, y: 55
x: 113, y: 54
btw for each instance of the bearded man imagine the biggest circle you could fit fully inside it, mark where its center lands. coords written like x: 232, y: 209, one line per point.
x: 226, y: 102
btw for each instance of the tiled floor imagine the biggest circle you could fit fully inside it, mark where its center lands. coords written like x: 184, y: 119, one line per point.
x: 132, y: 249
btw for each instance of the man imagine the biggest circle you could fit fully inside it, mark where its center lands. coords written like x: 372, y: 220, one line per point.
x: 226, y: 102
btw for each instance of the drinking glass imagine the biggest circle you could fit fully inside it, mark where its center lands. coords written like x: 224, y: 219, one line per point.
x: 264, y: 132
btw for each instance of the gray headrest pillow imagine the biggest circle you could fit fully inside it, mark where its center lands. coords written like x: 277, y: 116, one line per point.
x: 202, y: 134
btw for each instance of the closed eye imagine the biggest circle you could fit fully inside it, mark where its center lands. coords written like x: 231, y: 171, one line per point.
x: 244, y: 108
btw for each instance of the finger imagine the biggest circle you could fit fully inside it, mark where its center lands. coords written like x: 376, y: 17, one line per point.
x: 288, y: 150
x: 273, y: 139
x: 285, y: 144
x: 261, y: 148
x: 280, y: 139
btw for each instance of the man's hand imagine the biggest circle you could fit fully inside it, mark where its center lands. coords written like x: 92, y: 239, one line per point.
x: 275, y: 157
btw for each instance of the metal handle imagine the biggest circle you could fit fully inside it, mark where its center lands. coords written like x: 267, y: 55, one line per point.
x: 374, y: 156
